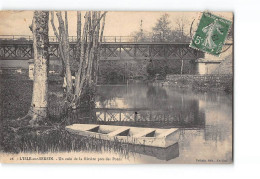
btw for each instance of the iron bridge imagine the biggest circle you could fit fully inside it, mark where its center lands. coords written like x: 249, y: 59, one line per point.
x: 112, y: 48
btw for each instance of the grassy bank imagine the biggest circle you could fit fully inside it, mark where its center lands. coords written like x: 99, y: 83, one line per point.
x: 15, y: 99
x: 201, y: 82
x: 53, y: 139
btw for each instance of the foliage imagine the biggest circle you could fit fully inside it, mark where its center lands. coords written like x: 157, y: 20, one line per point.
x: 158, y: 70
x: 224, y: 83
x: 29, y: 139
x: 114, y: 77
x: 15, y: 95
x: 15, y: 98
x: 162, y: 30
x: 179, y: 37
x: 142, y: 36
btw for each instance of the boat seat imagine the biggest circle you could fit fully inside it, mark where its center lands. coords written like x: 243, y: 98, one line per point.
x: 121, y: 131
x: 94, y: 129
x: 145, y: 133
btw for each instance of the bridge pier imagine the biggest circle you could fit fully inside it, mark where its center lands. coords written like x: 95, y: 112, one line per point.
x: 206, y: 66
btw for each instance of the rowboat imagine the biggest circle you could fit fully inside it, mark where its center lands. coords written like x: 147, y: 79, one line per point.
x: 160, y: 153
x: 154, y: 137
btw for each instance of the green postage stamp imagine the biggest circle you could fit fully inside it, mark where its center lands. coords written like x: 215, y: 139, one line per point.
x: 211, y: 34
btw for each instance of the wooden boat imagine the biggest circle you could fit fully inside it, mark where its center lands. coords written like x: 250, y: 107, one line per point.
x: 133, y: 135
x: 160, y: 153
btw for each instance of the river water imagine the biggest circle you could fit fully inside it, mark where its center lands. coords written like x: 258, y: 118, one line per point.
x: 204, y: 119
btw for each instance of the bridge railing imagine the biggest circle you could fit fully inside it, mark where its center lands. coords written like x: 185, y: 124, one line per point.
x: 71, y: 38
x: 119, y: 39
x: 106, y: 39
x: 30, y: 38
x: 16, y: 37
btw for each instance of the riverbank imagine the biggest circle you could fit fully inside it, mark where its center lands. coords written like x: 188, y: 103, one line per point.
x: 18, y: 137
x: 166, y: 107
x: 201, y: 82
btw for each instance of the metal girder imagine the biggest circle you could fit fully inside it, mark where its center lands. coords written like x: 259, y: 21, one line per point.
x: 16, y: 51
x: 112, y: 51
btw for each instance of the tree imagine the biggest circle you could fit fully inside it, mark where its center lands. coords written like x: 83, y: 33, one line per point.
x: 162, y: 30
x: 87, y: 52
x: 141, y: 35
x: 178, y: 34
x: 38, y: 111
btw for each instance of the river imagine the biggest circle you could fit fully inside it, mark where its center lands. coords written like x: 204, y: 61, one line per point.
x: 205, y: 120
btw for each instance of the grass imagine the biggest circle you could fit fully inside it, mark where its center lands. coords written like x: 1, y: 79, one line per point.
x: 223, y: 83
x: 15, y: 99
x: 42, y: 140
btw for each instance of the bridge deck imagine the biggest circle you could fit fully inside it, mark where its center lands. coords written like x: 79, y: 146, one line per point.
x: 112, y: 48
x: 13, y: 50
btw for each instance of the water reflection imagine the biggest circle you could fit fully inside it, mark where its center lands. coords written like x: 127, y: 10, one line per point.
x: 205, y: 119
x: 148, y: 106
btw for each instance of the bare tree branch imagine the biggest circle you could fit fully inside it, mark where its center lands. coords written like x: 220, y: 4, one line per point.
x: 53, y: 26
x: 103, y: 27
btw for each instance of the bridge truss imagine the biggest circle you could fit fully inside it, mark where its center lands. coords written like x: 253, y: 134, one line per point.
x: 109, y: 51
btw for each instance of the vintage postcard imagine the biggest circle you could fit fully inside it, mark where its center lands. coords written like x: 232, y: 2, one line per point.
x: 105, y: 87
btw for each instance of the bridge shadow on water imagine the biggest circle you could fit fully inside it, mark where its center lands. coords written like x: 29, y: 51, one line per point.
x: 152, y: 107
x: 140, y: 117
x: 164, y: 154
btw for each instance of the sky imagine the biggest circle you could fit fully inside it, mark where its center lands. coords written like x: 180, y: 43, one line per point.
x: 117, y: 23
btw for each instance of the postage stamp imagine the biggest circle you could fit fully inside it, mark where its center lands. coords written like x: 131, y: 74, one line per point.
x: 211, y: 34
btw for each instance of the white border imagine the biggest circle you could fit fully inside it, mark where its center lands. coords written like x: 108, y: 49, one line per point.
x: 247, y: 95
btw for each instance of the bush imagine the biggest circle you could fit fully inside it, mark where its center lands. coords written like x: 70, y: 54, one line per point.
x: 157, y: 70
x: 114, y: 77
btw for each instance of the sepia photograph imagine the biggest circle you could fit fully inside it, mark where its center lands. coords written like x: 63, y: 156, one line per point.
x: 116, y: 87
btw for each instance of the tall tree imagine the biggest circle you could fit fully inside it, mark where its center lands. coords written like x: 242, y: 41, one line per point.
x: 39, y: 106
x: 88, y: 49
x: 162, y: 30
x: 178, y: 34
x: 141, y: 35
